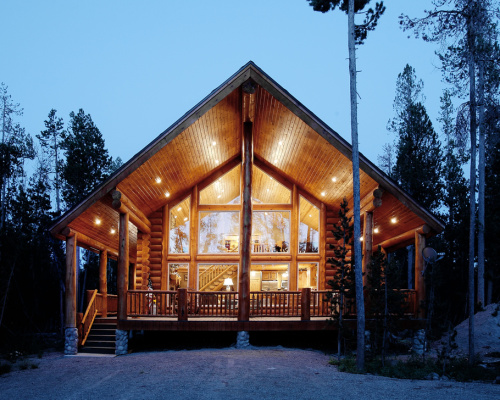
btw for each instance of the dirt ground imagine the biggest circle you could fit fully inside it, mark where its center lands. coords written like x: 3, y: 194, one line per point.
x: 268, y: 373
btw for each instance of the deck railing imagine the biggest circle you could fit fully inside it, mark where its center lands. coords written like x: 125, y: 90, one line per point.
x: 275, y: 304
x: 185, y: 304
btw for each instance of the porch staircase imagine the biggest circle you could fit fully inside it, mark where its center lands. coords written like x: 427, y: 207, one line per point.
x: 102, y: 337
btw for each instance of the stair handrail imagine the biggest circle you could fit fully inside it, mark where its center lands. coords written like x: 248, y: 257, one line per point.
x: 88, y: 318
x: 217, y: 272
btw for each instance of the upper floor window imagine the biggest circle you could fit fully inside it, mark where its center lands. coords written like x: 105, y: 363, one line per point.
x: 309, y: 227
x: 224, y: 190
x: 179, y: 227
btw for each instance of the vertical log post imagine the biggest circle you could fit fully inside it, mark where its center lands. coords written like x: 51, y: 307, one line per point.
x: 182, y: 305
x: 164, y: 249
x: 70, y: 320
x: 305, y: 304
x: 419, y: 278
x: 103, y: 281
x: 246, y: 224
x: 322, y: 248
x: 193, y: 240
x: 367, y: 244
x: 123, y: 265
x: 294, y: 240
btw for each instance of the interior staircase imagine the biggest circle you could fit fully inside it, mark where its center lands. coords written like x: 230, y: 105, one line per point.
x: 217, y: 282
x: 102, y: 337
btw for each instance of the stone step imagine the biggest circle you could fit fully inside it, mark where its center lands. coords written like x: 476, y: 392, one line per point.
x: 97, y: 350
x: 100, y: 343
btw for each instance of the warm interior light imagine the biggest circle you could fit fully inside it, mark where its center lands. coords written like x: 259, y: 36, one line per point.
x: 158, y: 179
x: 228, y: 282
x: 175, y: 216
x: 394, y: 220
x: 219, y: 196
x: 375, y: 230
x: 267, y: 189
x: 280, y: 142
x: 214, y: 143
x: 284, y: 275
x: 185, y: 218
x: 97, y: 221
x: 334, y: 179
x: 179, y: 209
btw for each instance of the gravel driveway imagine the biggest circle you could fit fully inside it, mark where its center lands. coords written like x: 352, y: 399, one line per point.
x: 269, y: 373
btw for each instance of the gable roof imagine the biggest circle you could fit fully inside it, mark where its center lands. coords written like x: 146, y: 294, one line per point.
x: 289, y: 139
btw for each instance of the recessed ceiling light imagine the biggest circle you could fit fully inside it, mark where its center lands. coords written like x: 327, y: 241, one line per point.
x: 179, y: 209
x: 214, y: 143
x: 158, y: 179
x: 175, y: 216
x: 271, y: 177
x: 323, y: 193
x: 97, y: 221
x: 265, y: 213
x: 167, y: 194
x: 394, y: 220
x: 334, y: 179
x: 185, y: 218
x: 361, y: 239
x: 280, y: 142
x: 376, y: 230
x: 219, y: 196
x: 275, y: 160
x: 112, y: 231
x: 310, y: 216
x: 217, y: 161
x: 267, y: 189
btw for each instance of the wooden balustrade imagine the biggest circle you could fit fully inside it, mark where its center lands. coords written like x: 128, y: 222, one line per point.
x: 213, y: 273
x: 185, y: 304
x: 275, y: 304
x: 213, y: 304
x: 88, y: 317
x: 148, y: 303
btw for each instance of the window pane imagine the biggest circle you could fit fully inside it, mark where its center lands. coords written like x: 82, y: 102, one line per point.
x: 213, y: 277
x: 268, y: 277
x: 219, y: 232
x: 309, y: 227
x: 266, y: 190
x: 177, y: 276
x: 308, y: 276
x: 271, y: 232
x: 225, y: 190
x: 179, y: 227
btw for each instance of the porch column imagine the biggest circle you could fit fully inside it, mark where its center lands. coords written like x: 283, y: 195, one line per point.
x: 419, y: 278
x: 322, y: 248
x: 71, y: 330
x: 294, y: 240
x: 193, y: 240
x: 367, y: 244
x: 103, y: 281
x: 245, y: 224
x: 164, y: 248
x: 123, y: 265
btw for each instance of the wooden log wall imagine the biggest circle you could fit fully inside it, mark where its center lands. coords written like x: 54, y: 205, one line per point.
x: 142, y: 266
x: 155, y: 254
x: 331, y: 219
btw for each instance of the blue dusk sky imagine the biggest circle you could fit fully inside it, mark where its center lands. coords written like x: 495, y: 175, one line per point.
x: 137, y: 66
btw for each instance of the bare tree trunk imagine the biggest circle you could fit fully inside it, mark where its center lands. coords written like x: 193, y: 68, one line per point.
x: 472, y: 183
x: 358, y: 273
x: 411, y: 251
x: 481, y: 173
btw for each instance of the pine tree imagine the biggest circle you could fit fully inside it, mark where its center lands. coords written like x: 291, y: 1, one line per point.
x: 343, y: 282
x: 50, y: 141
x: 87, y: 160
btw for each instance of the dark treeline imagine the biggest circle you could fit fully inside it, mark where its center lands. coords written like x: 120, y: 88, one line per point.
x: 40, y: 178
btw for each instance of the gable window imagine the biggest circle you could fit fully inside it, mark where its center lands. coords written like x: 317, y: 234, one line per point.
x: 179, y: 227
x: 219, y: 232
x: 224, y: 190
x: 308, y: 227
x: 271, y: 232
x: 266, y: 190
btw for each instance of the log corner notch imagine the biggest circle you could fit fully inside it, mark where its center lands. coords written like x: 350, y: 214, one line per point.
x: 369, y: 203
x: 122, y: 204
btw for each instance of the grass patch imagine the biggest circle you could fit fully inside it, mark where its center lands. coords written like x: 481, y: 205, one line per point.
x: 457, y: 369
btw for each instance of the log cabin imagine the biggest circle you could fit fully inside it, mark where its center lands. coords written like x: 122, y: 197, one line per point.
x: 223, y: 222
